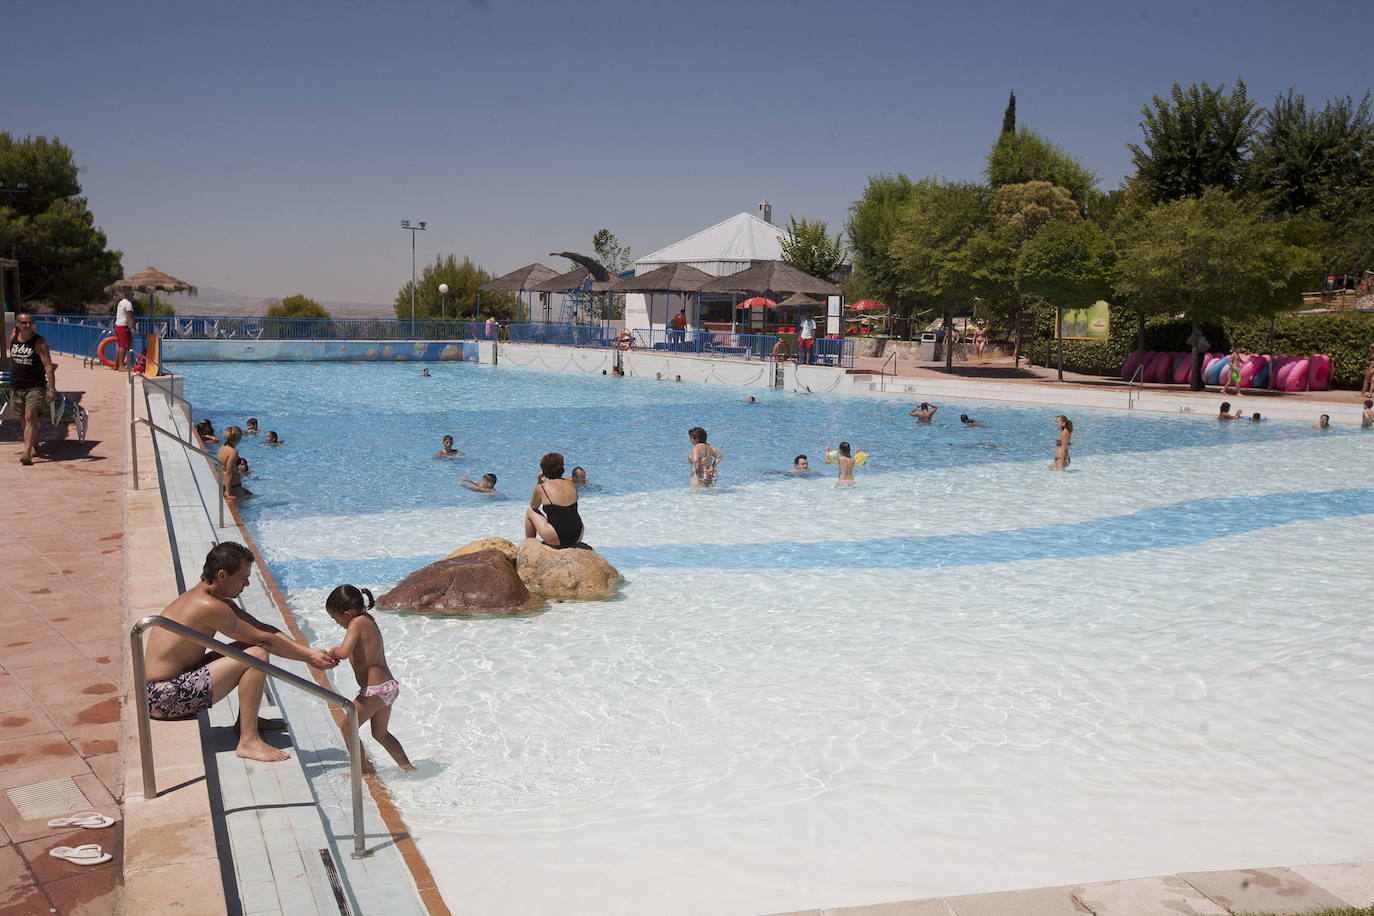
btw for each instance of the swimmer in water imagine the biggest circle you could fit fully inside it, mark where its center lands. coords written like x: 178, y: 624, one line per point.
x: 271, y: 438
x: 1323, y: 422
x: 704, y: 458
x: 968, y: 421
x: 487, y: 485
x: 251, y: 428
x: 800, y: 465
x: 923, y: 412
x: 846, y: 462
x: 1225, y: 412
x: 1255, y: 417
x: 1061, y: 443
x: 751, y: 400
x: 1367, y: 417
x: 424, y: 373
x: 448, y: 451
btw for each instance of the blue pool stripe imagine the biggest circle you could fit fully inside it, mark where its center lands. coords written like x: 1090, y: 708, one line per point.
x: 1178, y: 525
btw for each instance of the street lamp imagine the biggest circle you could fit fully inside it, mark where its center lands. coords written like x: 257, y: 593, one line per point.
x: 443, y: 301
x: 418, y: 227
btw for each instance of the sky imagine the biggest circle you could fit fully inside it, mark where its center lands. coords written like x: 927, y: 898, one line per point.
x: 274, y: 148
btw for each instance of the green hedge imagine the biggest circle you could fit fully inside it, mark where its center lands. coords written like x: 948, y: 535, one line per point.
x: 1346, y: 336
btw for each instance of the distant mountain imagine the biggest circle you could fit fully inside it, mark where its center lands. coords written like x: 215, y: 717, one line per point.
x: 213, y: 301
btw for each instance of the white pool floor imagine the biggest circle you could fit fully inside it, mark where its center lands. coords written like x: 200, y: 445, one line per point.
x: 936, y: 683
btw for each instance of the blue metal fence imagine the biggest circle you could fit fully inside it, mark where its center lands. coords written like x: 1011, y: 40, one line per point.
x: 562, y: 335
x: 233, y: 328
x: 77, y: 339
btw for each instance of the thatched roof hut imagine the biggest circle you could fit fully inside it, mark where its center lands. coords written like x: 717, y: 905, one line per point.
x: 526, y: 278
x: 573, y: 279
x: 771, y: 276
x: 671, y: 278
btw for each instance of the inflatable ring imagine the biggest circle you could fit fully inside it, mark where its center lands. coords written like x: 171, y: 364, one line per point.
x: 100, y: 350
x: 780, y: 350
x: 625, y: 341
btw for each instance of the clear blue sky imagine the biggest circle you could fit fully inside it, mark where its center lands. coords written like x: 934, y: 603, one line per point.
x: 273, y: 148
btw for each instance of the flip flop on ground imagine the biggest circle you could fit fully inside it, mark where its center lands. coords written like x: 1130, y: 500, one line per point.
x: 90, y: 854
x: 90, y: 820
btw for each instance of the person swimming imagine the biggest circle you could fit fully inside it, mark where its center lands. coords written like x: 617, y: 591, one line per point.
x: 1255, y: 417
x: 557, y: 524
x: 448, y: 451
x: 1323, y: 422
x: 968, y: 421
x: 704, y: 459
x: 923, y: 412
x: 486, y: 485
x: 842, y: 457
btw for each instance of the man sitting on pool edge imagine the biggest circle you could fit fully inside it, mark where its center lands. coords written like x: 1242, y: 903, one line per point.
x: 183, y: 678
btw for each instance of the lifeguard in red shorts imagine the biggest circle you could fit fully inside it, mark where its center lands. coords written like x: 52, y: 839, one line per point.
x: 124, y: 332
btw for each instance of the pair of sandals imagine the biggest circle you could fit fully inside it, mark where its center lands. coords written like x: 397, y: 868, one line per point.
x: 90, y: 853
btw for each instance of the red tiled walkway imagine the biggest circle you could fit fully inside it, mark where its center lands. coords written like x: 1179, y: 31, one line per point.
x: 61, y: 600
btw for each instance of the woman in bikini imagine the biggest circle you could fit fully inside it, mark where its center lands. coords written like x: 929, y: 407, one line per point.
x: 228, y: 457
x: 1061, y: 443
x: 552, y: 515
x: 703, y: 458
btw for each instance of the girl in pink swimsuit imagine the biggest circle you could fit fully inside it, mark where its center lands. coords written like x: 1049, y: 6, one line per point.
x: 347, y: 606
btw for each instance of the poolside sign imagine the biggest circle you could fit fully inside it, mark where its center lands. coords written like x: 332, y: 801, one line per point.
x: 1091, y: 323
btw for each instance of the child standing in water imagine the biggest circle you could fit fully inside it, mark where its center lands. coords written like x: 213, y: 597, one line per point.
x: 845, y: 461
x: 1061, y: 443
x: 347, y: 606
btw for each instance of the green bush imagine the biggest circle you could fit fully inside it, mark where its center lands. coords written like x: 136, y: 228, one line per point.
x: 1345, y: 336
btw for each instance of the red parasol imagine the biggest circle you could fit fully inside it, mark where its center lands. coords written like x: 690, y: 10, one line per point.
x: 865, y: 305
x: 757, y: 301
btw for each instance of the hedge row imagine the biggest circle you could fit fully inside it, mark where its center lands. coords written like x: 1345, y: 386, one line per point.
x: 1346, y: 336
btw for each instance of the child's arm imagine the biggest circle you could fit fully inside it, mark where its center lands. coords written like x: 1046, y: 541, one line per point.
x: 472, y: 485
x: 352, y: 635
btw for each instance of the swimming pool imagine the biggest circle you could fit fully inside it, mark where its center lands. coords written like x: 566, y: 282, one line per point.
x: 967, y: 673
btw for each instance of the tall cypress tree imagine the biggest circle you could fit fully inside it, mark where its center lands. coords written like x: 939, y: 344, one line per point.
x: 1009, y: 116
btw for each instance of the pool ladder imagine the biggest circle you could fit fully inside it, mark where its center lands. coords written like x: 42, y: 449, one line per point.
x: 1137, y: 378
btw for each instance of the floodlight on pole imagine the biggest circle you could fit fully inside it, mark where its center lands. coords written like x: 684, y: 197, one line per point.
x: 418, y: 227
x: 443, y: 301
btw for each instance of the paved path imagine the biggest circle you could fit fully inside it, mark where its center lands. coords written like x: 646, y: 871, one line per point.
x: 61, y: 584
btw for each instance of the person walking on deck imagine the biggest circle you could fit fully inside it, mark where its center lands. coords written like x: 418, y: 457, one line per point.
x: 33, y: 380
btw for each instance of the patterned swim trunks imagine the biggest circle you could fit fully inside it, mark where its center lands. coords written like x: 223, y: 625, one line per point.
x: 387, y: 690
x: 181, y: 697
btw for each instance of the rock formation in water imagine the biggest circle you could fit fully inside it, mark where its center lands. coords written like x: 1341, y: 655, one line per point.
x: 577, y: 573
x: 483, y: 582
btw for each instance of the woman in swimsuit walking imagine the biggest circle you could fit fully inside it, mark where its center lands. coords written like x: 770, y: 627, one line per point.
x: 558, y: 524
x: 1061, y: 443
x: 703, y: 458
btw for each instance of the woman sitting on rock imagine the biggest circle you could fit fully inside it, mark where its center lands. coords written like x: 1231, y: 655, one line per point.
x: 558, y: 524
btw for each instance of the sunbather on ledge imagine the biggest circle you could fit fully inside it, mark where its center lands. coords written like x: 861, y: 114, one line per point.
x: 183, y: 678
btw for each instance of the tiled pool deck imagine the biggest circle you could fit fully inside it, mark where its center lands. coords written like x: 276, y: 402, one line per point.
x: 73, y: 533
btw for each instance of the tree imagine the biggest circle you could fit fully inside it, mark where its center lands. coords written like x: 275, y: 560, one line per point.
x: 297, y: 306
x: 1068, y: 265
x: 808, y: 248
x: 1211, y: 258
x: 932, y: 236
x: 1024, y: 155
x: 872, y: 224
x: 1304, y: 158
x: 463, y: 278
x: 48, y: 227
x: 615, y: 258
x: 1197, y: 139
x: 1009, y: 116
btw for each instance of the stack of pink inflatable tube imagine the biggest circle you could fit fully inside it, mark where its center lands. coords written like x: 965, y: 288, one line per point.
x: 1276, y: 373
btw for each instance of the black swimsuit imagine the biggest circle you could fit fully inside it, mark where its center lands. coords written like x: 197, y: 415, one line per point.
x: 567, y: 524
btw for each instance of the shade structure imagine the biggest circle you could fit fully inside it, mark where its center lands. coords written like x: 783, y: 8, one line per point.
x: 671, y: 278
x: 801, y: 299
x: 573, y: 279
x: 526, y: 278
x: 771, y: 276
x: 758, y: 301
x: 865, y: 305
x: 150, y: 280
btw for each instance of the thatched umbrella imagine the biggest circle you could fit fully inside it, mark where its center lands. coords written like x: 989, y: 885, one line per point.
x: 767, y: 277
x: 517, y: 281
x: 668, y: 279
x: 150, y: 280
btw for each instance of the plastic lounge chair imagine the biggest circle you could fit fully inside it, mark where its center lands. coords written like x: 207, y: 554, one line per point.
x: 65, y: 412
x: 181, y: 328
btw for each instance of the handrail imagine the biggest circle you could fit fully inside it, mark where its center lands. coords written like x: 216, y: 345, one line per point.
x: 133, y: 451
x: 882, y: 371
x: 190, y: 408
x: 145, y: 738
x: 1138, y: 375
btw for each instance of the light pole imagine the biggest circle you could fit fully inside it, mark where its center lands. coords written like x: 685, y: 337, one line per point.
x: 418, y: 227
x: 443, y: 301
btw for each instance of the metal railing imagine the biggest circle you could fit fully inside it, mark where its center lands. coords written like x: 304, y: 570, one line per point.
x: 215, y: 465
x: 186, y: 405
x: 562, y: 335
x: 207, y: 327
x: 1137, y: 377
x: 145, y: 737
x: 706, y: 343
x: 882, y: 370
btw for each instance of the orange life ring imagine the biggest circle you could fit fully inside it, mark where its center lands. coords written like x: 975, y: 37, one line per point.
x: 100, y: 350
x: 625, y: 341
x: 781, y: 350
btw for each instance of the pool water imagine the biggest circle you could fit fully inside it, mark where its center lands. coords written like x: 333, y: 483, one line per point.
x: 966, y: 673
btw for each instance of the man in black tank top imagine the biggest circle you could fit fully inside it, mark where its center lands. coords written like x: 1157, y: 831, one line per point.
x: 32, y: 379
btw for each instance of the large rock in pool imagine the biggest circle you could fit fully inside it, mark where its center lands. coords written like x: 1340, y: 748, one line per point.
x: 483, y: 583
x: 578, y: 573
x: 501, y: 544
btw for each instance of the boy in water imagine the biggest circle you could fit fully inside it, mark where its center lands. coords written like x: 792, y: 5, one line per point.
x: 448, y: 451
x: 923, y: 412
x: 487, y: 484
x: 1323, y: 422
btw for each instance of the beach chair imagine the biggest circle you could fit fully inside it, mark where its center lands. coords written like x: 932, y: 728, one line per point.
x: 181, y: 328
